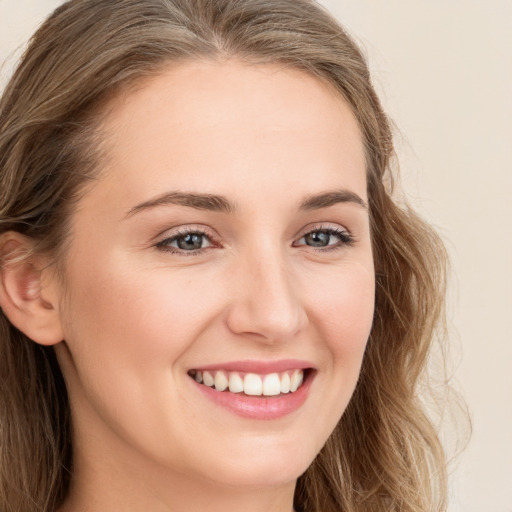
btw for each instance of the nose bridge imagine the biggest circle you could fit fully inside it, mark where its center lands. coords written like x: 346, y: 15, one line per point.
x: 266, y: 301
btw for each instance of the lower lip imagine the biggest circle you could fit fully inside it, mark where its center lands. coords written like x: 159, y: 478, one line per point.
x: 259, y: 407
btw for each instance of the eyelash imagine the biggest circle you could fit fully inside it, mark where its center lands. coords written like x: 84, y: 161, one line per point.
x: 164, y: 244
x: 345, y: 239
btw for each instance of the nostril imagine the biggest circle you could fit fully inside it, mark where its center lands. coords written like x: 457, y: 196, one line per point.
x: 267, y: 321
x: 265, y: 304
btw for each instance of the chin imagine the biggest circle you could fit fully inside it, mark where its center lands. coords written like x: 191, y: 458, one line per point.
x: 261, y: 475
x: 261, y: 467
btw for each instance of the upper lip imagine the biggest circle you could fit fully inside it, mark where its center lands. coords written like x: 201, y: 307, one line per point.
x: 261, y: 367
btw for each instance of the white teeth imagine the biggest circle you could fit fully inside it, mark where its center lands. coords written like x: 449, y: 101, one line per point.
x: 221, y: 381
x: 296, y: 380
x: 208, y: 379
x: 271, y: 385
x: 285, y: 383
x: 253, y: 385
x: 236, y: 384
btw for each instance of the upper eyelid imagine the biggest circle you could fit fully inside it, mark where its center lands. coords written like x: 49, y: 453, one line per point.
x: 178, y: 231
x: 325, y: 229
x: 201, y: 229
x: 322, y: 226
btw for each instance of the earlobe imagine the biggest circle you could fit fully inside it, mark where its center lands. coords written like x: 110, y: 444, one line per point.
x: 30, y: 306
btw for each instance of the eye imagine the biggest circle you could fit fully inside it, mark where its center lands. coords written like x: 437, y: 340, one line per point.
x: 188, y: 241
x: 329, y: 238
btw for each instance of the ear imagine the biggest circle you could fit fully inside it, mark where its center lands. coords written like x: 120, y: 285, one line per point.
x: 29, y: 290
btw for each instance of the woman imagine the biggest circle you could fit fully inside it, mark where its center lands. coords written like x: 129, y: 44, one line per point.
x: 209, y: 297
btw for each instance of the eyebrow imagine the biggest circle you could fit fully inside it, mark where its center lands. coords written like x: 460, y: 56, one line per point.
x: 216, y: 203
x: 326, y: 199
x: 209, y: 202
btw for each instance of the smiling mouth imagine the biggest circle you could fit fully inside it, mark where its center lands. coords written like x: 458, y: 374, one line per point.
x: 252, y: 384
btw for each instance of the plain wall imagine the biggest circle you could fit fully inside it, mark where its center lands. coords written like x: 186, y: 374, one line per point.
x: 444, y: 72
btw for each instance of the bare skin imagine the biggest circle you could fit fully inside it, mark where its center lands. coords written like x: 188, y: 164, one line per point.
x: 268, y: 276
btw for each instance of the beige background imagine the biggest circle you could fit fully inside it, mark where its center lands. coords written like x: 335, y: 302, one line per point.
x: 444, y: 71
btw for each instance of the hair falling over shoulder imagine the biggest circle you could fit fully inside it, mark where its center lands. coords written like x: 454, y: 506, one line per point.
x: 385, y: 454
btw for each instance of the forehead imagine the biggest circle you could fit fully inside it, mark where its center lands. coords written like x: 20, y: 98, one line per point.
x: 207, y: 121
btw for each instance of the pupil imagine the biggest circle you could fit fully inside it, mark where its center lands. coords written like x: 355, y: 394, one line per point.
x: 318, y: 239
x: 190, y: 242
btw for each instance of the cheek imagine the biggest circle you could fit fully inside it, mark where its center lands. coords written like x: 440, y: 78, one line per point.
x: 139, y: 315
x: 127, y: 330
x: 343, y: 309
x: 342, y: 312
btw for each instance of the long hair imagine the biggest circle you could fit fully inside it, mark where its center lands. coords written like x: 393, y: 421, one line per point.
x: 384, y: 454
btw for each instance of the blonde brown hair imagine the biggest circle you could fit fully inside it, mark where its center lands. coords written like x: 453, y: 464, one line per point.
x: 384, y: 454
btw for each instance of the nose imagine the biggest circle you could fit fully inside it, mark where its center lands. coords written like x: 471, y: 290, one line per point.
x: 266, y: 303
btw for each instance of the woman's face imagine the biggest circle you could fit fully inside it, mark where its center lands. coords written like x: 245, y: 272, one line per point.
x: 226, y: 239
